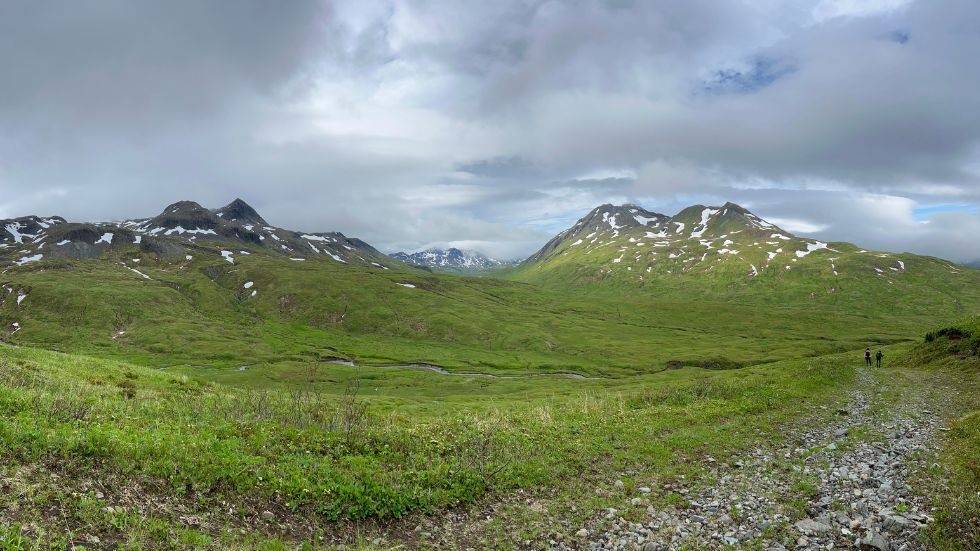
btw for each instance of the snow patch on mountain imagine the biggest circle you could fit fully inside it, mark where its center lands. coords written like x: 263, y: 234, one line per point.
x: 810, y: 247
x: 29, y: 259
x: 453, y: 259
x: 706, y: 215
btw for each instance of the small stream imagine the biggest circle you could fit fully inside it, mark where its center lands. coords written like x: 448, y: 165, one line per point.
x: 442, y: 371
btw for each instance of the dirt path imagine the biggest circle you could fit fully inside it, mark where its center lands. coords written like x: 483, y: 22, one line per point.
x: 843, y: 484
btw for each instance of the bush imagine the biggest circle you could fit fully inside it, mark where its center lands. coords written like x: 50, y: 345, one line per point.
x: 959, y: 342
x: 719, y: 363
x: 953, y: 333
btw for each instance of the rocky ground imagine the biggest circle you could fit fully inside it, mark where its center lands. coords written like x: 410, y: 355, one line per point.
x: 840, y: 485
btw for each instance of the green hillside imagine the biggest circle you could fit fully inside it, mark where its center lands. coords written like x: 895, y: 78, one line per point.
x: 728, y: 253
x: 265, y: 309
x: 220, y: 391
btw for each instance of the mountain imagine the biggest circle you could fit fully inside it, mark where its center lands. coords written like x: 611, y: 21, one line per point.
x: 240, y: 211
x: 180, y: 231
x: 623, y: 289
x: 604, y: 219
x: 451, y: 260
x: 727, y: 251
x: 697, y: 239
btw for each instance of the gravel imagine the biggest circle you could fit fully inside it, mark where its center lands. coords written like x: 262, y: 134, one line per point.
x: 855, y: 491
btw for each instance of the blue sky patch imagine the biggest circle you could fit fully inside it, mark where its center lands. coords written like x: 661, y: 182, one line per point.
x: 927, y: 212
x: 761, y: 73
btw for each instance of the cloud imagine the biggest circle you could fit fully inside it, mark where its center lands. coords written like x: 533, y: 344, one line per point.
x: 829, y: 9
x: 500, y: 167
x: 409, y: 123
x: 70, y: 70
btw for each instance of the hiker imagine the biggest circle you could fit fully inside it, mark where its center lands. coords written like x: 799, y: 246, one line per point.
x: 867, y: 356
x: 878, y: 357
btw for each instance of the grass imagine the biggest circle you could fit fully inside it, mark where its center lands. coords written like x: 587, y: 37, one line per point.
x: 958, y: 516
x: 198, y: 315
x: 196, y: 408
x: 947, y: 360
x: 336, y: 457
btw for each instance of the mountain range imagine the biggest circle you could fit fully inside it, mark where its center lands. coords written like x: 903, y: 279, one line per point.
x: 723, y: 248
x: 719, y: 252
x: 452, y: 260
x: 179, y: 232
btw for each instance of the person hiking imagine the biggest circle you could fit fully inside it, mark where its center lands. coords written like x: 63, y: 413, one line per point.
x: 878, y: 356
x: 867, y: 356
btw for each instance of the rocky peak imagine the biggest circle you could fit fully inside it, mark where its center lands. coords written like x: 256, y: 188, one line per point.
x: 183, y: 208
x: 604, y: 219
x: 185, y: 214
x: 701, y: 221
x: 241, y: 212
x: 612, y: 217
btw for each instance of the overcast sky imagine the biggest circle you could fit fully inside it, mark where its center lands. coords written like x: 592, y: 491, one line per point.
x: 493, y: 125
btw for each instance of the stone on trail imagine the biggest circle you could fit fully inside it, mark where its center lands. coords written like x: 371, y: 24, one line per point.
x: 874, y: 540
x: 810, y: 526
x: 896, y: 522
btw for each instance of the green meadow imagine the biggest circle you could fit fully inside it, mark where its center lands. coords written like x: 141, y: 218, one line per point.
x: 182, y: 411
x: 199, y: 314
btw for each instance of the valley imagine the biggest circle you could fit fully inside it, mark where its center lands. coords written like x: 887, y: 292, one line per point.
x: 203, y: 379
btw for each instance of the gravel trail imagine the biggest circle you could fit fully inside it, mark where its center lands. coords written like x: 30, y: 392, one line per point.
x: 842, y: 485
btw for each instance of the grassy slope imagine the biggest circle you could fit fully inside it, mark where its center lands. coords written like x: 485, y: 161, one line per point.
x: 198, y: 314
x: 87, y: 442
x: 870, y: 283
x: 205, y: 444
x: 955, y: 482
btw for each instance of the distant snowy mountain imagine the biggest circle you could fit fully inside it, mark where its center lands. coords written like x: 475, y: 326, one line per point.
x: 452, y: 259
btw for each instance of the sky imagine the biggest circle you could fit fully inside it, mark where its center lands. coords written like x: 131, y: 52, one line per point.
x: 491, y: 126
